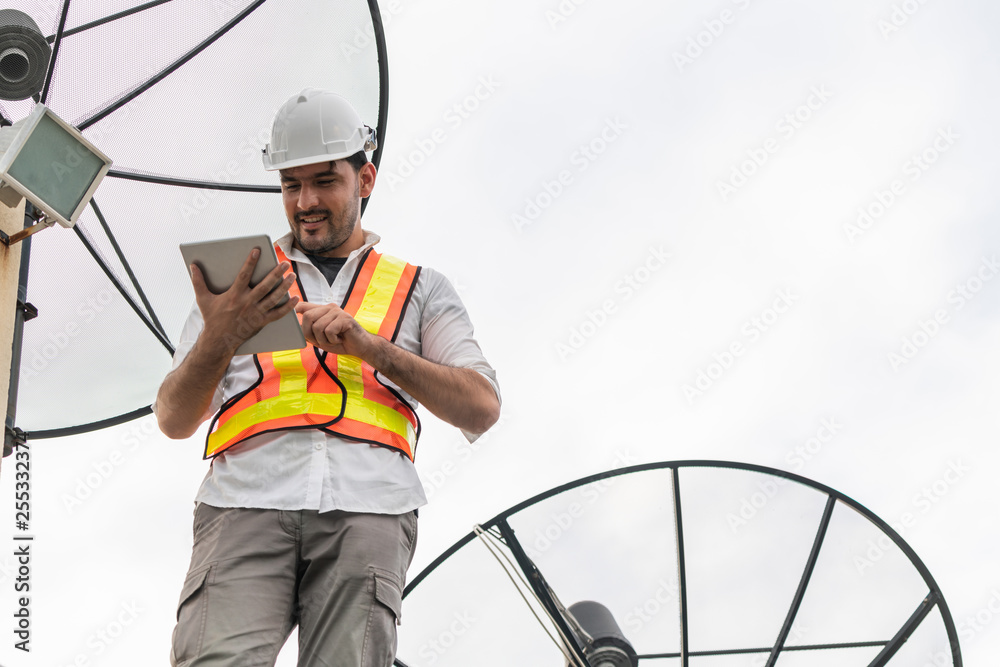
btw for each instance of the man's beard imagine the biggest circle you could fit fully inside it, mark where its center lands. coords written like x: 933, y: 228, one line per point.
x: 339, y: 228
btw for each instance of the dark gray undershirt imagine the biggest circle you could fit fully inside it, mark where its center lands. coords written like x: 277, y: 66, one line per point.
x: 330, y: 266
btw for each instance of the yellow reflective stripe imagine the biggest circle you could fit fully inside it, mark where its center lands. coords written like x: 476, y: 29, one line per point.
x: 349, y: 372
x: 371, y: 313
x: 292, y: 399
x: 379, y: 294
x: 367, y: 411
x: 293, y: 374
x: 279, y: 407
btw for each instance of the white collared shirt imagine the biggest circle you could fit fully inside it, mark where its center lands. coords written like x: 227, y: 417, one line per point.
x: 309, y: 469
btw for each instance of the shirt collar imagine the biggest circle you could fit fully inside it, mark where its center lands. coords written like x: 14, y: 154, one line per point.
x: 293, y: 253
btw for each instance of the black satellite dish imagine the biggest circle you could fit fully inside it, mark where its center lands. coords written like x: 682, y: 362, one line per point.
x: 180, y: 94
x: 680, y: 563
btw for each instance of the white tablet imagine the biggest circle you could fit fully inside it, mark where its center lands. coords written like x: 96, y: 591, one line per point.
x: 220, y: 261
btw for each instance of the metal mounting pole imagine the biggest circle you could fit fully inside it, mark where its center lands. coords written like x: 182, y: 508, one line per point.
x: 24, y: 312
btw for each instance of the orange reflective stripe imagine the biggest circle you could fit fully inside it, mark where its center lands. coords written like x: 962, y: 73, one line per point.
x: 372, y: 412
x: 359, y: 290
x: 371, y: 403
x: 368, y: 433
x: 287, y: 403
x: 258, y: 392
x: 294, y: 289
x: 400, y: 298
x: 291, y: 409
x: 302, y: 388
x: 296, y: 421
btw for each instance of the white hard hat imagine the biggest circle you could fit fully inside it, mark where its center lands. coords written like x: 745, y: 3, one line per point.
x: 315, y: 126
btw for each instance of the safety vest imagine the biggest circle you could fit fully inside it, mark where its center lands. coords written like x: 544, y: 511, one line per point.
x: 335, y: 393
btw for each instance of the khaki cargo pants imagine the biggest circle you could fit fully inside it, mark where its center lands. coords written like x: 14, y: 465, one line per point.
x: 255, y: 574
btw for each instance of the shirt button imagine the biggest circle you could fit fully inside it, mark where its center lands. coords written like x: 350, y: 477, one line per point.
x: 318, y: 446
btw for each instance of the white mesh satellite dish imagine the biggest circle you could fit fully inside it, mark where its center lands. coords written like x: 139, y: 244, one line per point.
x: 680, y: 563
x: 180, y: 94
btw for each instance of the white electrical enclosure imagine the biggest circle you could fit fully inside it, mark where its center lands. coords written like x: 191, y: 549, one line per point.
x: 48, y: 161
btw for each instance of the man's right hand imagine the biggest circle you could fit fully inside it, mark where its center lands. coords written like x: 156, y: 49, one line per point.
x: 185, y: 397
x: 234, y: 316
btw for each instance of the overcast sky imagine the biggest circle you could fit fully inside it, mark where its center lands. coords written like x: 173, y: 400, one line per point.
x: 760, y: 231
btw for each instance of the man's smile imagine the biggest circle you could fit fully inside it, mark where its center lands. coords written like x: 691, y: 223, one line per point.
x: 312, y: 220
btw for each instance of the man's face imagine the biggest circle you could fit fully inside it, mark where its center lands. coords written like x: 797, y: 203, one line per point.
x: 322, y: 204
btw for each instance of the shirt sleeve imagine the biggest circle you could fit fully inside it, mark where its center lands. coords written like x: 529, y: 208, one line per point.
x: 447, y: 336
x: 189, y: 334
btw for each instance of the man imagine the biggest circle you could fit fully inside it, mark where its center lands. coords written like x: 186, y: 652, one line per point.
x: 307, y: 514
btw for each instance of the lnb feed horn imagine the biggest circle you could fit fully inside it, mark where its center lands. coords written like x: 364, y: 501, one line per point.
x: 24, y: 56
x: 605, y: 645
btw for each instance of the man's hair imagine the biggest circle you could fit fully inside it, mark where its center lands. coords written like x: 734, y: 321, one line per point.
x: 357, y: 160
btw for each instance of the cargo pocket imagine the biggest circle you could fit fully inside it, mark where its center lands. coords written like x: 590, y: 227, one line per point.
x: 192, y: 611
x: 385, y: 613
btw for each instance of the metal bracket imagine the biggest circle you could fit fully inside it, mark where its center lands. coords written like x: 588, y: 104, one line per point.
x: 43, y: 223
x: 12, y: 437
x: 28, y: 310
